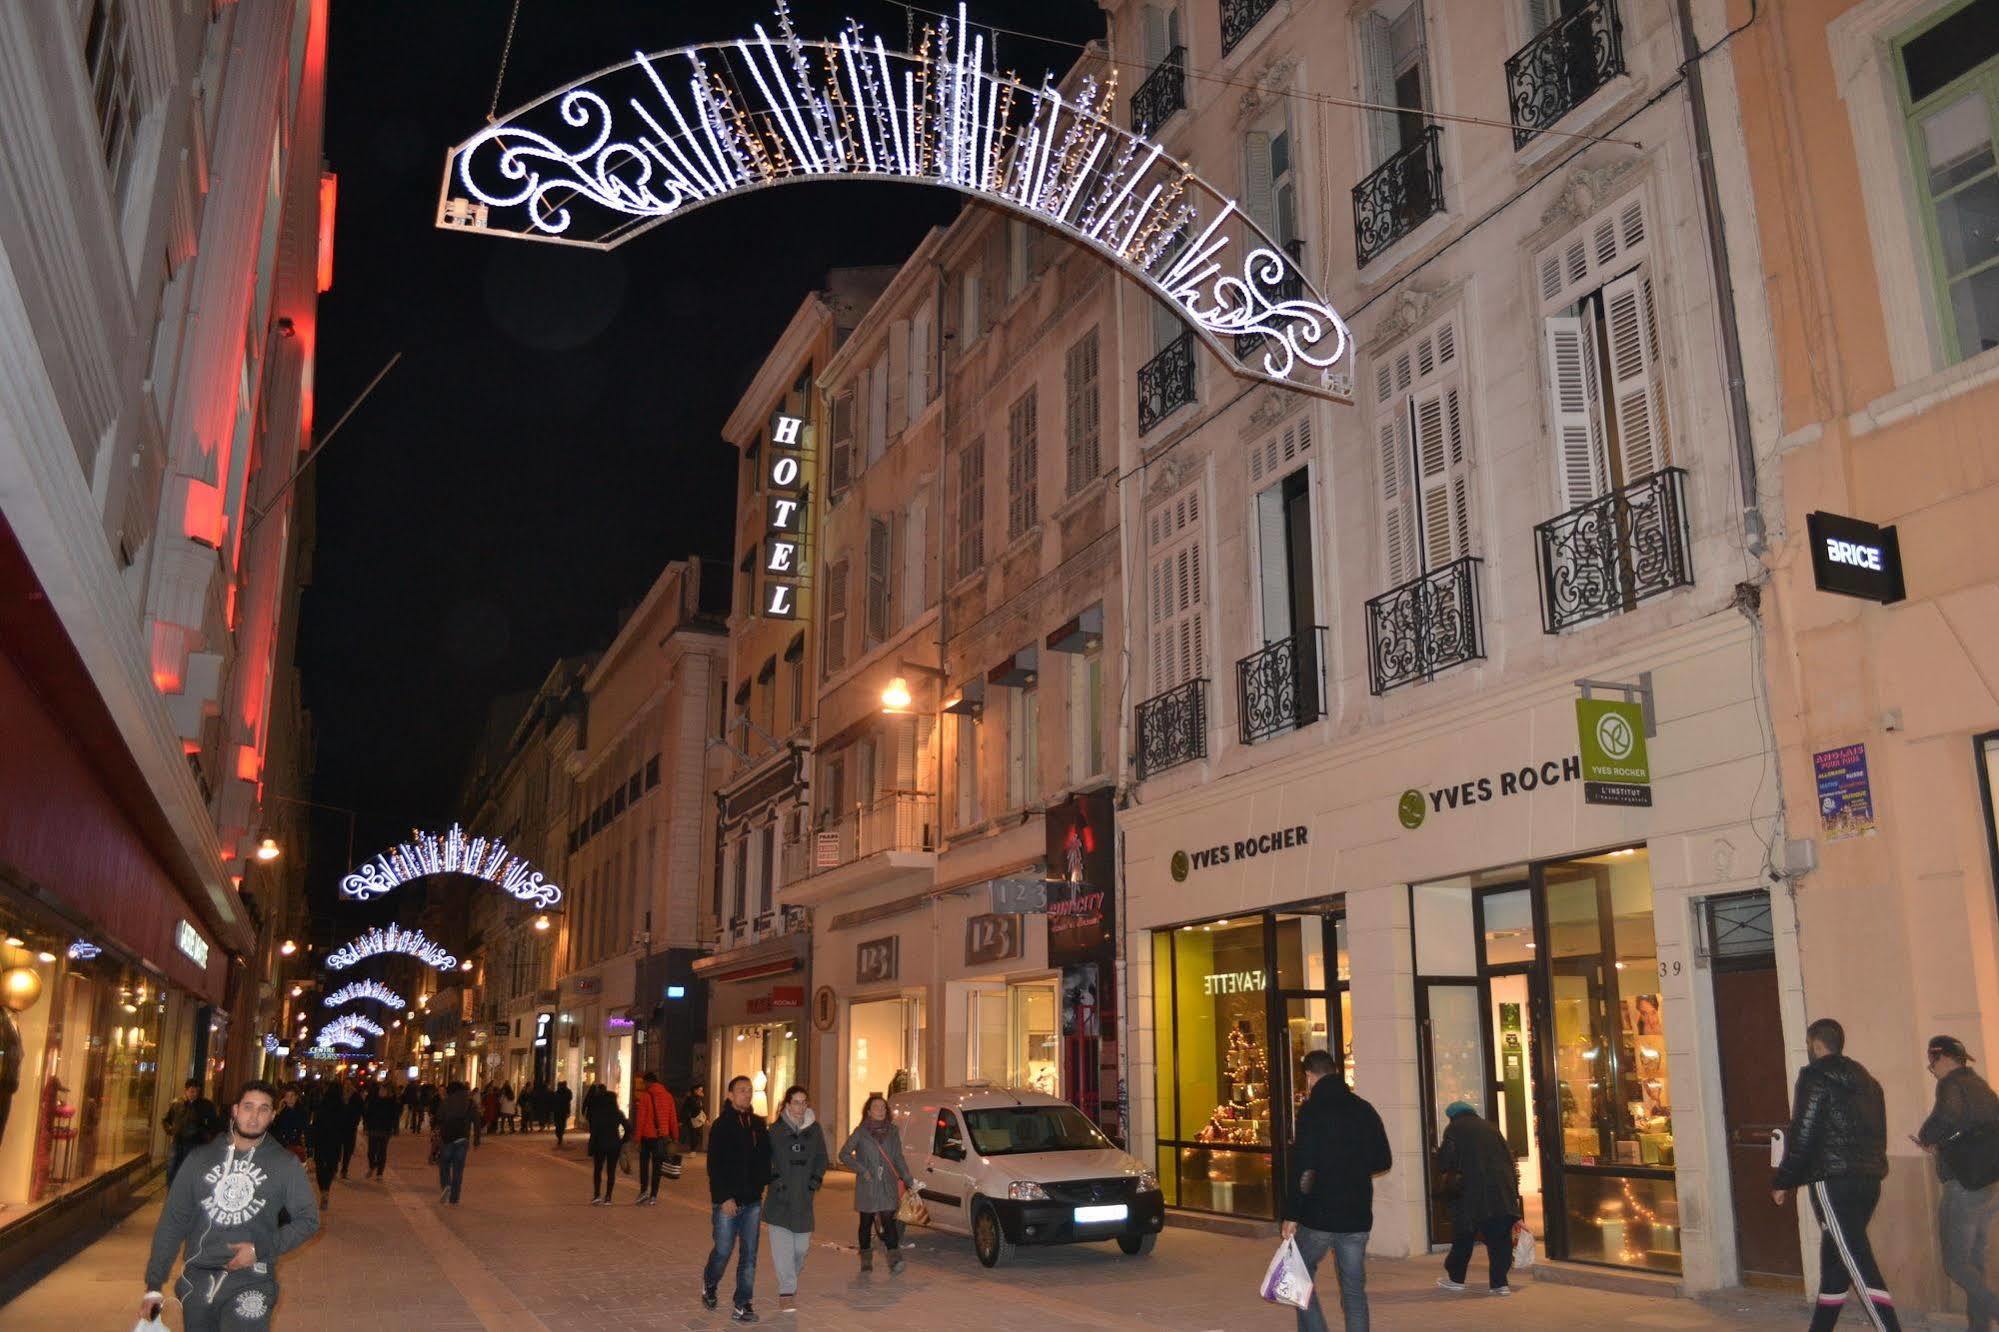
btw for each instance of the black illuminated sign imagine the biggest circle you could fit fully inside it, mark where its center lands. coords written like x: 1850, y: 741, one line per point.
x: 1855, y: 558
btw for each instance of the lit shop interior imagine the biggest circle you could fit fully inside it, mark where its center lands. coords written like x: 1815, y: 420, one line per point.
x: 1013, y: 1034
x: 885, y: 1041
x: 767, y: 1054
x: 1572, y: 939
x: 1237, y: 1003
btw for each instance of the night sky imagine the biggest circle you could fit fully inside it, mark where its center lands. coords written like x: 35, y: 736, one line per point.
x: 552, y: 435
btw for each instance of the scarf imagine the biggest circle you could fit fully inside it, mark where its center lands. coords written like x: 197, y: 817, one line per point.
x: 878, y: 1128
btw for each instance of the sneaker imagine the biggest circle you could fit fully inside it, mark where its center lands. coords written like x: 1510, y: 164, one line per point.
x: 743, y: 1314
x: 1502, y: 1290
x: 444, y: 1195
x: 787, y: 1304
x: 1445, y: 1283
x: 894, y: 1264
x: 707, y: 1297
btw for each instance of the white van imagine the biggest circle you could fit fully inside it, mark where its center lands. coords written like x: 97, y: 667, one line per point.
x: 1018, y: 1167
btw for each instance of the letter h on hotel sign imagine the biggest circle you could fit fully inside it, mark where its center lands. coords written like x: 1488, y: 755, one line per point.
x: 784, y: 546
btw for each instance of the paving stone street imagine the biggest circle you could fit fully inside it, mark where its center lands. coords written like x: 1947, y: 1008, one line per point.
x: 525, y: 1251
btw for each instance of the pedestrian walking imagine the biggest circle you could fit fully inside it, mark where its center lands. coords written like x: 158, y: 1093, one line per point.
x: 413, y: 1107
x: 564, y: 1101
x: 190, y: 1122
x: 328, y: 1131
x: 693, y: 1118
x: 356, y: 1110
x: 873, y: 1151
x: 1482, y: 1184
x: 508, y: 1109
x: 489, y: 1106
x: 379, y: 1116
x: 454, y: 1131
x: 655, y: 1125
x: 290, y: 1124
x: 240, y: 1205
x: 1838, y: 1146
x: 738, y: 1169
x: 1966, y: 1114
x: 1339, y: 1148
x: 427, y: 1101
x: 798, y: 1164
x: 608, y: 1130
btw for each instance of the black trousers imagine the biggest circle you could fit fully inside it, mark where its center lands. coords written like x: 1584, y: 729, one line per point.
x: 885, y: 1222
x: 603, y: 1171
x: 346, y: 1154
x: 652, y: 1163
x: 378, y: 1152
x: 1497, y: 1232
x: 1844, y: 1206
x: 325, y: 1163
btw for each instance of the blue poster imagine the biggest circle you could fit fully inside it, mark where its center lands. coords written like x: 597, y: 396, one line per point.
x: 1846, y: 802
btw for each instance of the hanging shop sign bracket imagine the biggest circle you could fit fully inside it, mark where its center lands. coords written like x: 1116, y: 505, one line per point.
x: 1639, y: 693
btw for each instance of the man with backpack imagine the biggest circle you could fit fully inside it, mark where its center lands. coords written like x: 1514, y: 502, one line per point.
x: 1962, y: 1133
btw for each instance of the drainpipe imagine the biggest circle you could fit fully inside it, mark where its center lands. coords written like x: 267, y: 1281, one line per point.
x: 1754, y: 533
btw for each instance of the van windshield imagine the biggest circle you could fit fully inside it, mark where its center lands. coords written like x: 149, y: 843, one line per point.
x: 1017, y: 1129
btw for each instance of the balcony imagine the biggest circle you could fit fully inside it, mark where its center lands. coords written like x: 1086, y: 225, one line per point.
x: 1163, y: 92
x: 1173, y: 728
x: 1166, y: 382
x: 1427, y: 625
x: 878, y: 842
x: 1290, y: 287
x: 1563, y: 64
x: 1616, y: 551
x: 1239, y: 17
x: 1398, y: 196
x: 1282, y: 685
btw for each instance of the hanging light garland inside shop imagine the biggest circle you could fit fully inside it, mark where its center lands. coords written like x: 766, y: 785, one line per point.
x: 364, y: 989
x: 391, y: 939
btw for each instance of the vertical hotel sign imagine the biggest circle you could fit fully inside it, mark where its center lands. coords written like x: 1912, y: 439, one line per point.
x: 784, y: 545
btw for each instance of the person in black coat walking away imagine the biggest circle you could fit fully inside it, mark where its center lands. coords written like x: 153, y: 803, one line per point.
x: 453, y: 1119
x: 608, y: 1130
x: 330, y: 1129
x: 1966, y: 1105
x: 356, y: 1108
x: 1838, y: 1145
x: 379, y: 1116
x: 738, y: 1170
x: 412, y: 1108
x: 1339, y: 1149
x: 1483, y: 1184
x: 693, y: 1118
x: 563, y: 1100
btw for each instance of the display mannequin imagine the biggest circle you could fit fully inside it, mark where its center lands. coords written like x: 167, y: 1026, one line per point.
x: 19, y: 989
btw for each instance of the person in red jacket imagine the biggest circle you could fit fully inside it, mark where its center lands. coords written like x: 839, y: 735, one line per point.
x: 656, y: 1125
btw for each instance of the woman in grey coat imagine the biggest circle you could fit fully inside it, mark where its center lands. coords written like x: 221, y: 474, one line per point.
x: 797, y: 1166
x: 874, y: 1152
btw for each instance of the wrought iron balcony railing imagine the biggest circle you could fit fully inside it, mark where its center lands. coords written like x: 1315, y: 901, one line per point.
x: 1173, y: 728
x: 1397, y: 196
x: 1289, y: 288
x: 1427, y: 625
x: 1615, y: 551
x: 1562, y: 65
x: 1163, y: 92
x: 1282, y: 685
x: 897, y: 821
x: 1166, y: 382
x: 1238, y: 17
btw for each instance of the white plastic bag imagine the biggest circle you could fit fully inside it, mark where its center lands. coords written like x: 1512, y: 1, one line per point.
x: 1287, y: 1280
x: 1523, y: 1246
x: 152, y: 1324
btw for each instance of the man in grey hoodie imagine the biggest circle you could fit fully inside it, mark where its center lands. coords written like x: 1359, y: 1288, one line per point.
x: 223, y: 1209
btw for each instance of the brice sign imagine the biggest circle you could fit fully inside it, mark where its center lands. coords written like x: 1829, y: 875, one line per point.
x: 784, y: 547
x: 1855, y: 558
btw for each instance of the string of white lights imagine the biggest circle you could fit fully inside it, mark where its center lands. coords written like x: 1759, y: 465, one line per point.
x: 452, y: 853
x: 351, y: 1022
x: 364, y: 989
x: 391, y: 939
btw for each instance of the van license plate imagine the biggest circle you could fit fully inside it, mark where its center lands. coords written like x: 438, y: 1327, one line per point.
x: 1113, y: 1212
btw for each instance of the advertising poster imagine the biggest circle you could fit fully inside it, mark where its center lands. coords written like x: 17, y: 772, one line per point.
x: 1846, y: 801
x: 1082, y: 941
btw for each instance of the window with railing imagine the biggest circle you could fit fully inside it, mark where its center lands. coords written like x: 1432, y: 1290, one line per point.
x: 1426, y: 625
x: 1282, y: 685
x: 1398, y: 196
x: 1163, y: 92
x: 1166, y: 382
x: 893, y: 821
x: 1173, y: 728
x: 1617, y: 550
x: 1562, y: 64
x: 1239, y: 17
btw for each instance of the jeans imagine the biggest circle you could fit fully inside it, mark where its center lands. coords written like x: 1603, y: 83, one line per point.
x: 378, y: 1153
x: 603, y: 1171
x: 1349, y: 1250
x: 1844, y: 1205
x: 179, y: 1154
x: 652, y: 1162
x: 891, y: 1230
x: 1964, y: 1223
x: 451, y: 1166
x: 738, y: 1232
x: 1497, y: 1232
x: 787, y: 1254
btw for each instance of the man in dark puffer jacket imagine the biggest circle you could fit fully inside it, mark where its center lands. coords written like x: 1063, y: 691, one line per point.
x: 1838, y: 1145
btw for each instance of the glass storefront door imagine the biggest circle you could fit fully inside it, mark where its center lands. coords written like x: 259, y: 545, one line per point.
x: 884, y: 1049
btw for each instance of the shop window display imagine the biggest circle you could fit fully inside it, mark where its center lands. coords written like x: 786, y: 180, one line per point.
x: 1222, y: 1048
x: 884, y: 1049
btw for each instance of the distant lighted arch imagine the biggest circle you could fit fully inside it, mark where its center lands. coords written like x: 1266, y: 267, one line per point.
x: 617, y: 152
x: 451, y: 853
x: 365, y: 989
x: 391, y: 939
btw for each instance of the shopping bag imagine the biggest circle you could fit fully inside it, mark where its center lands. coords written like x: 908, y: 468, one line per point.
x: 670, y: 1167
x: 1523, y: 1245
x: 152, y: 1324
x: 1287, y: 1280
x: 910, y: 1209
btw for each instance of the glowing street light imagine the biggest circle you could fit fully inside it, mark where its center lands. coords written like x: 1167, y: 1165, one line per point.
x: 541, y: 922
x: 896, y: 698
x: 288, y: 947
x: 269, y: 850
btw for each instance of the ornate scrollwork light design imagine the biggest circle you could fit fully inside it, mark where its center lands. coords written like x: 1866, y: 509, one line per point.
x: 391, y: 939
x: 350, y: 1024
x: 365, y: 989
x: 452, y: 853
x: 619, y: 151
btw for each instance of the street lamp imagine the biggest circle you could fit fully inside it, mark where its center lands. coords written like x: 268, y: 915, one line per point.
x: 896, y: 699
x: 288, y: 948
x: 269, y: 850
x: 541, y: 922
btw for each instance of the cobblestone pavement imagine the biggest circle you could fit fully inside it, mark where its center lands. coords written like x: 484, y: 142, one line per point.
x: 525, y: 1252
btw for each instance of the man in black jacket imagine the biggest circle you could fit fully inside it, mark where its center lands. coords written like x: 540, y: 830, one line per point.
x: 1340, y: 1148
x: 738, y: 1170
x: 1838, y: 1144
x: 190, y: 1122
x: 1486, y: 1200
x: 1965, y: 1214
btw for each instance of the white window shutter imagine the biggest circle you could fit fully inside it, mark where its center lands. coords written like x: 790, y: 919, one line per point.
x: 898, y: 376
x: 881, y: 554
x: 1177, y: 594
x: 877, y: 410
x: 1637, y: 396
x: 1398, y: 514
x: 919, y: 363
x: 915, y: 595
x: 1273, y: 567
x: 843, y: 440
x: 1156, y: 45
x: 1443, y: 474
x: 1256, y: 184
x: 1575, y: 412
x: 1540, y: 13
x: 969, y: 327
x: 1384, y: 134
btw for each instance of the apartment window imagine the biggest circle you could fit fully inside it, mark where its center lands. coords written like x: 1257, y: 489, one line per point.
x: 1393, y: 56
x: 740, y: 898
x: 965, y: 740
x: 971, y: 508
x: 877, y: 378
x: 1175, y: 591
x: 112, y: 64
x: 767, y: 868
x: 1270, y: 180
x: 1023, y: 726
x: 881, y: 586
x: 914, y: 554
x: 766, y: 696
x: 1950, y: 83
x: 917, y: 360
x: 1284, y: 542
x: 843, y: 440
x: 1083, y: 419
x: 1022, y: 451
x: 1605, y: 375
x: 1086, y: 715
x: 1423, y: 438
x: 836, y: 617
x: 969, y: 327
x: 794, y: 662
x: 1019, y: 255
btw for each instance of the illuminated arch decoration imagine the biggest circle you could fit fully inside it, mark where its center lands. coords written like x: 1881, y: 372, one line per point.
x: 393, y: 939
x: 351, y: 1024
x: 453, y: 853
x: 365, y: 989
x: 617, y: 152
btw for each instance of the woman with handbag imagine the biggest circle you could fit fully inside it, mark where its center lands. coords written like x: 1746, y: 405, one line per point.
x: 797, y: 1166
x: 608, y: 1131
x: 873, y: 1151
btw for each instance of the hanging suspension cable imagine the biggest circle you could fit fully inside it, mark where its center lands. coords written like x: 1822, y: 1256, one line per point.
x: 500, y: 75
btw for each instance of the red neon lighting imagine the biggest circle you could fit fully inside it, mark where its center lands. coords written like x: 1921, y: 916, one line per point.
x: 202, y: 517
x: 247, y: 764
x: 329, y: 191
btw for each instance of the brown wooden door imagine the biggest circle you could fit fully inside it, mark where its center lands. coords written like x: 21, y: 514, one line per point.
x: 1755, y: 1101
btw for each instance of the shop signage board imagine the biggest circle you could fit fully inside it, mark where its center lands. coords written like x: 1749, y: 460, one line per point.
x: 586, y: 985
x: 877, y: 960
x: 780, y: 996
x: 190, y: 943
x: 992, y: 938
x: 1846, y: 797
x: 784, y: 547
x: 1228, y: 853
x: 1616, y: 768
x: 825, y: 1008
x: 1414, y: 806
x: 1018, y: 896
x: 1854, y: 558
x: 1082, y: 913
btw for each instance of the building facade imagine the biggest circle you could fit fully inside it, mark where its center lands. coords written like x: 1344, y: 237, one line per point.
x: 164, y: 236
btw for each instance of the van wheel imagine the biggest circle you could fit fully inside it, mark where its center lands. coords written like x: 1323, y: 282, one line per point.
x: 989, y: 1239
x: 1138, y: 1246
